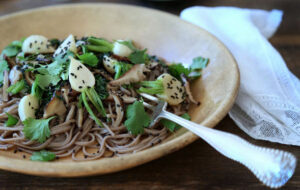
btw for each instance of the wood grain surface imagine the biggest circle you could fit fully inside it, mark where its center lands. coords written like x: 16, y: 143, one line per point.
x: 196, y: 166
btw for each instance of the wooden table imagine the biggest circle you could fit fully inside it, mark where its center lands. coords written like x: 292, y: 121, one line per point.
x: 197, y: 166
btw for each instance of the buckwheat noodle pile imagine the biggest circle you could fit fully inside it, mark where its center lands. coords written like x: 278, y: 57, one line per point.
x: 74, y: 132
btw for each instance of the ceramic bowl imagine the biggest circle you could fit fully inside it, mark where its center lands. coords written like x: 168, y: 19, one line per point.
x: 164, y: 35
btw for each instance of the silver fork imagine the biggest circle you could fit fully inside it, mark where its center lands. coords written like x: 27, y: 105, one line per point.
x: 271, y: 166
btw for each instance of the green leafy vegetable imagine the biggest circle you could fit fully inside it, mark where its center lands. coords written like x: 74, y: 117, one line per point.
x: 174, y: 126
x: 100, y: 42
x: 138, y: 57
x: 89, y: 109
x: 95, y: 99
x: 100, y: 87
x: 89, y: 59
x: 152, y: 87
x: 18, y: 87
x: 193, y: 72
x: 12, y: 49
x: 121, y: 68
x: 37, y: 129
x: 137, y: 118
x: 129, y: 44
x: 42, y: 156
x: 101, y: 49
x: 3, y: 67
x: 177, y: 69
x: 11, y: 121
x: 36, y: 90
x: 46, y: 80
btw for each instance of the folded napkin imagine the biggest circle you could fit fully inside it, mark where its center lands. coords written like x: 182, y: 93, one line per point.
x: 268, y: 103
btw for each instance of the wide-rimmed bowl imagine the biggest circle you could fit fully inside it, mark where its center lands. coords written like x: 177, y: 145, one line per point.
x: 164, y: 35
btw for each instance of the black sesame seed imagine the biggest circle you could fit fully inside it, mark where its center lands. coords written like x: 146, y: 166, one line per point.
x: 85, y: 156
x: 32, y: 108
x: 61, y: 50
x: 15, y: 151
x: 159, y: 141
x: 42, y: 43
x: 66, y: 48
x: 56, y: 157
x: 75, y: 76
x: 173, y: 97
x: 79, y: 87
x: 38, y: 48
x: 20, y: 150
x: 72, y: 74
x: 24, y: 156
x: 46, y: 66
x: 29, y: 103
x: 176, y: 94
x: 173, y: 79
x: 83, y: 81
x: 73, y: 151
x: 30, y: 45
x: 69, y: 43
x: 171, y: 82
x: 35, y: 41
x: 116, y: 152
x: 180, y: 90
x: 198, y: 103
x: 118, y: 105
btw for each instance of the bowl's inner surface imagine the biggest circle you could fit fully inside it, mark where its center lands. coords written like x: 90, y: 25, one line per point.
x: 162, y: 34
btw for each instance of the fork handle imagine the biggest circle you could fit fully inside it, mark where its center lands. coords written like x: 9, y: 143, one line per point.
x: 272, y: 167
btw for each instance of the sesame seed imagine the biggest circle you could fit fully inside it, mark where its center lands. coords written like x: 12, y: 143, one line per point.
x: 85, y: 156
x: 83, y: 82
x: 32, y: 108
x: 29, y: 103
x: 173, y: 97
x: 42, y: 42
x: 38, y: 48
x: 30, y: 45
x: 35, y: 41
x: 24, y: 156
x: 15, y: 151
x: 79, y: 87
x: 72, y: 74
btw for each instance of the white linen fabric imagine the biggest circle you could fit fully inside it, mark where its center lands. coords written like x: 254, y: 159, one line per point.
x: 268, y: 103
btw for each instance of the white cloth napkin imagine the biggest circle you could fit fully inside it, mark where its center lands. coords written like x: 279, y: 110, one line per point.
x: 268, y: 103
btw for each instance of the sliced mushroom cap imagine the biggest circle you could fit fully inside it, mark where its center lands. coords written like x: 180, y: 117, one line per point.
x: 135, y: 74
x: 14, y: 75
x: 188, y: 89
x: 54, y: 107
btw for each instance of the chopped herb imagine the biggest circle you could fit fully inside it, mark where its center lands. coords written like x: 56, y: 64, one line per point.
x: 136, y: 118
x: 16, y: 88
x: 95, y: 99
x: 129, y: 44
x: 89, y: 59
x: 139, y: 56
x: 11, y: 121
x: 37, y: 129
x: 193, y: 72
x: 46, y: 80
x: 43, y: 156
x: 12, y: 49
x: 100, y: 87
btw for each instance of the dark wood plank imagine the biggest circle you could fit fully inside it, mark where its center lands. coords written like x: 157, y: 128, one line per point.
x: 196, y: 166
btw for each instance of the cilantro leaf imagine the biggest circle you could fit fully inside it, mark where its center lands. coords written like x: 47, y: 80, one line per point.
x: 3, y: 67
x: 13, y: 48
x: 16, y: 88
x: 129, y: 44
x: 43, y: 156
x: 193, y: 72
x: 176, y: 69
x: 137, y: 118
x: 138, y: 57
x: 46, y: 80
x: 37, y: 129
x: 11, y: 121
x: 100, y: 87
x: 198, y: 64
x: 174, y: 126
x: 89, y: 59
x: 55, y: 68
